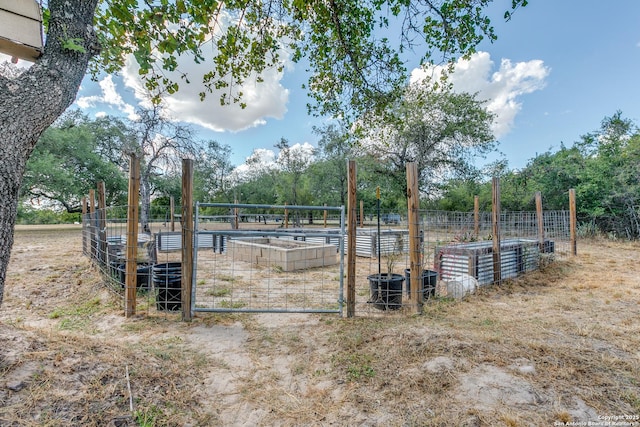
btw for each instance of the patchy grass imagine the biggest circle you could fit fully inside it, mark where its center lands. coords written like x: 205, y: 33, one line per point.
x: 558, y: 345
x: 218, y: 291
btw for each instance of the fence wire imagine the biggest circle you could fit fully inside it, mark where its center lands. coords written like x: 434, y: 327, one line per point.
x: 274, y: 259
x: 456, y: 253
x: 105, y: 241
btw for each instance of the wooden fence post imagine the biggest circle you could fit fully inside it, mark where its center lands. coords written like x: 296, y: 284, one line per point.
x: 286, y: 216
x: 172, y: 208
x: 93, y: 226
x: 236, y: 213
x: 324, y: 215
x: 351, y: 239
x: 495, y: 219
x: 573, y: 222
x: 415, y: 249
x: 361, y: 213
x: 540, y: 218
x: 476, y: 216
x: 132, y: 237
x: 187, y: 238
x: 102, y: 223
x: 86, y: 239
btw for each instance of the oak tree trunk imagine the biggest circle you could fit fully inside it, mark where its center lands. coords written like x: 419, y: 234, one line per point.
x: 35, y: 99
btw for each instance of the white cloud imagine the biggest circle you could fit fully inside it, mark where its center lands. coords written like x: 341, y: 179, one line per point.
x: 502, y: 89
x: 263, y: 100
x: 109, y: 96
x: 263, y: 160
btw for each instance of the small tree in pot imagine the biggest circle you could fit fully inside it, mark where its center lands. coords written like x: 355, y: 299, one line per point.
x: 386, y: 288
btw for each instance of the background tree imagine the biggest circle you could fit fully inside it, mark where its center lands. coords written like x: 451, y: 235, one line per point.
x: 70, y: 158
x: 211, y: 171
x: 602, y: 166
x: 329, y: 171
x: 293, y: 162
x: 161, y: 146
x: 609, y: 190
x: 457, y: 194
x: 256, y: 181
x: 437, y: 129
x: 353, y: 69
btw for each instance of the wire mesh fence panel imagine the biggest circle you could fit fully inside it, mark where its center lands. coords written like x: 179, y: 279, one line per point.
x: 270, y: 259
x: 462, y: 249
x: 382, y: 260
x: 108, y: 244
x: 291, y: 259
x: 457, y: 253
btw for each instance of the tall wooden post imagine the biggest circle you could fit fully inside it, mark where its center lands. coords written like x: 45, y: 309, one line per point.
x: 187, y: 237
x: 573, y: 222
x: 286, y: 216
x: 93, y: 225
x: 172, y: 210
x: 102, y: 223
x: 351, y: 239
x: 495, y: 220
x: 132, y: 237
x: 540, y: 218
x: 476, y: 216
x: 236, y: 213
x: 415, y: 249
x: 86, y: 244
x: 324, y: 215
x: 92, y: 200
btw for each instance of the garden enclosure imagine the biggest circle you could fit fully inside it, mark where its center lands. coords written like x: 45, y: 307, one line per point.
x: 249, y: 258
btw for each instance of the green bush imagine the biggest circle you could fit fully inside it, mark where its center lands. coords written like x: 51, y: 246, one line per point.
x: 29, y: 215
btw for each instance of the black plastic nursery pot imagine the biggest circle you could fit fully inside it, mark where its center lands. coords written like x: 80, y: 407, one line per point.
x: 386, y: 290
x: 429, y: 280
x: 143, y: 275
x: 167, y: 281
x: 143, y: 279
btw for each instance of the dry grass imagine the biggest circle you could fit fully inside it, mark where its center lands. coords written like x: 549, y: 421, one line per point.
x: 557, y: 345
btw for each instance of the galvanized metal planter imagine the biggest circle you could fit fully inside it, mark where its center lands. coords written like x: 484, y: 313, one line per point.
x: 476, y: 259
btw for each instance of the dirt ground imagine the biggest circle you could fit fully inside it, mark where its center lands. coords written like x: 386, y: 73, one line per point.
x: 559, y: 346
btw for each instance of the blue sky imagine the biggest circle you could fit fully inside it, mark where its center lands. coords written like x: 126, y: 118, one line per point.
x: 592, y: 49
x: 557, y: 69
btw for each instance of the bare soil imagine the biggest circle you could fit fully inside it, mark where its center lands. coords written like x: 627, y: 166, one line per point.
x: 554, y: 347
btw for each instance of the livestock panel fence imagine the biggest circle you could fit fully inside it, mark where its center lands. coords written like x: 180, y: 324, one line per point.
x: 247, y: 258
x: 268, y: 258
x: 455, y: 247
x: 291, y: 259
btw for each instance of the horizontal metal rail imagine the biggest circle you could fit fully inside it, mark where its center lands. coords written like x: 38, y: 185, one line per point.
x: 264, y: 310
x: 278, y: 207
x: 249, y: 233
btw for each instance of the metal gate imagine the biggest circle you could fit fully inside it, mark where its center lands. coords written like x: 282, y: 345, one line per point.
x: 266, y: 258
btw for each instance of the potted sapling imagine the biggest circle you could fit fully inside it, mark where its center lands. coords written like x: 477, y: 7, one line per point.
x: 386, y: 288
